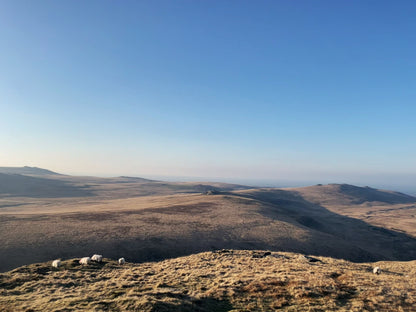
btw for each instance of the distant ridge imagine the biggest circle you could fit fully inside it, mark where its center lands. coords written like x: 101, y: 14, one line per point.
x: 127, y: 179
x: 26, y: 170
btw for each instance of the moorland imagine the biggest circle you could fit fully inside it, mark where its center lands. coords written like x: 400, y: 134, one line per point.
x: 224, y: 280
x: 45, y: 215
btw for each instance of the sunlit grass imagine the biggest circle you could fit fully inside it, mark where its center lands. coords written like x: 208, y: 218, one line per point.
x: 212, y: 281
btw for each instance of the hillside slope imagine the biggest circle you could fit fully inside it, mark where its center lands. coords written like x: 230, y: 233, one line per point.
x: 18, y: 185
x: 26, y: 170
x: 345, y: 194
x: 153, y: 220
x: 158, y: 227
x: 226, y: 280
x: 387, y: 209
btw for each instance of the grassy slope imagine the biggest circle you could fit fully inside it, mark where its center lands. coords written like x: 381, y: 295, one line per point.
x: 212, y: 281
x: 387, y: 209
x: 153, y: 221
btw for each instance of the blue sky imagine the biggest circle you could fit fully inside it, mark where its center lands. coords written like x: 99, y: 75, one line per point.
x: 278, y: 90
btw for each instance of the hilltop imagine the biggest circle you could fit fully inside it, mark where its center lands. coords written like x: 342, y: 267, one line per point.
x: 346, y: 194
x: 227, y: 280
x: 26, y: 170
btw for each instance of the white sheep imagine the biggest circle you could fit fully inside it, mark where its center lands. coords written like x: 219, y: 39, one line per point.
x: 376, y: 270
x: 97, y: 258
x: 56, y: 263
x: 85, y: 260
x: 121, y: 261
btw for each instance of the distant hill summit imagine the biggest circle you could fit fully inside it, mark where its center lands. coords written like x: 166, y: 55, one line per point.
x: 127, y: 179
x: 346, y: 194
x: 26, y: 170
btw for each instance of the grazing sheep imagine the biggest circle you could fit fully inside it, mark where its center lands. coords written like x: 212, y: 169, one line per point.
x: 376, y: 270
x: 85, y: 260
x: 56, y: 263
x: 121, y: 261
x: 97, y: 258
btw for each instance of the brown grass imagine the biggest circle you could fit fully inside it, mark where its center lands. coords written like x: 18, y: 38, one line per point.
x: 227, y: 280
x: 385, y: 209
x: 177, y: 219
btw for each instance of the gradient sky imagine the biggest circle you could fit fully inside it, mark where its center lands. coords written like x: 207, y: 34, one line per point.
x: 291, y: 90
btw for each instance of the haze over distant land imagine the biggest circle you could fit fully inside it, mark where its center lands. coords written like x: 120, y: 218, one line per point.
x: 405, y: 183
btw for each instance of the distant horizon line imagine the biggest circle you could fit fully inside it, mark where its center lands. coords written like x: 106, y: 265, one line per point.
x: 397, y: 185
x: 282, y: 182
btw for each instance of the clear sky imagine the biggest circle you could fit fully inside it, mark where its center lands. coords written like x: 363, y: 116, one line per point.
x: 283, y: 90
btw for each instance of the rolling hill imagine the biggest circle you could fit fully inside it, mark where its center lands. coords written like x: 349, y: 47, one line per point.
x: 146, y: 220
x: 26, y: 170
x: 18, y: 185
x: 386, y: 209
x: 345, y: 194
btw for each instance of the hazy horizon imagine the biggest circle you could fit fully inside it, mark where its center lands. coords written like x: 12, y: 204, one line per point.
x: 265, y: 91
x: 399, y: 183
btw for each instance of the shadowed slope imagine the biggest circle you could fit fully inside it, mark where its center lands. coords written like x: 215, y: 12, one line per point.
x: 60, y: 186
x: 153, y: 220
x: 381, y: 243
x: 345, y: 194
x: 179, y: 225
x: 391, y: 210
x: 17, y: 185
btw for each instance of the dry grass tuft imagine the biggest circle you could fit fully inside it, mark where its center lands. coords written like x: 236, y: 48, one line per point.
x: 227, y: 280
